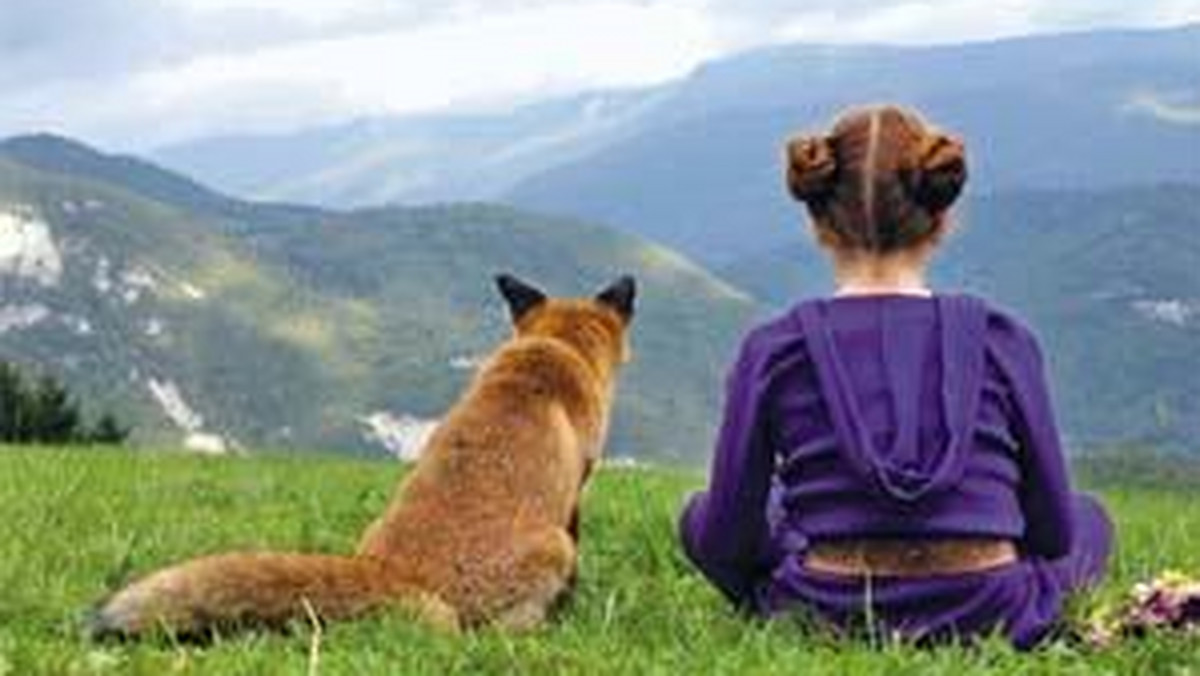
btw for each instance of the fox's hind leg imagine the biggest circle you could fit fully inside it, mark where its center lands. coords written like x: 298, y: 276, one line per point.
x: 544, y: 573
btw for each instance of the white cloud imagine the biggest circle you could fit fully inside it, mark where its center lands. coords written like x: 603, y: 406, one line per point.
x: 476, y: 60
x: 469, y: 60
x: 913, y: 23
x: 311, y: 10
x: 135, y: 73
x: 951, y: 21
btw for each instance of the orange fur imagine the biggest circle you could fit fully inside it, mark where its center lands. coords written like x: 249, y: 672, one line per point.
x: 481, y: 531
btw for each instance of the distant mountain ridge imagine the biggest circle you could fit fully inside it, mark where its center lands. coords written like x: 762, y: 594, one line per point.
x: 55, y: 154
x: 428, y: 158
x: 694, y: 163
x: 59, y: 155
x: 221, y: 323
x: 1082, y: 211
x: 703, y: 172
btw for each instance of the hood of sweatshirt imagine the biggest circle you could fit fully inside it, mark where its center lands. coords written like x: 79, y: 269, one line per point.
x: 906, y: 469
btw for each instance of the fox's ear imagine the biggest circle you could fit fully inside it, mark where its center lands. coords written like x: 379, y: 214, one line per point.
x: 619, y: 296
x: 521, y: 297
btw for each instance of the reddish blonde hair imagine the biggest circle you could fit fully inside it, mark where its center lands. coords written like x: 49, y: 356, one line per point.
x: 879, y: 181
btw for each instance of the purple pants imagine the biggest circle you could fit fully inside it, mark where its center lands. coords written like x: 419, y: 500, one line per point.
x: 1022, y: 600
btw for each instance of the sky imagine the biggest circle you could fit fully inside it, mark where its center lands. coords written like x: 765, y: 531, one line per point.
x: 135, y: 74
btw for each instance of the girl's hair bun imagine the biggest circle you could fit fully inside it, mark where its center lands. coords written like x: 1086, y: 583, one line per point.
x: 811, y: 168
x: 941, y: 171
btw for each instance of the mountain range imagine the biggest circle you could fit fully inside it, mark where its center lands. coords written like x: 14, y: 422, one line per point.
x: 703, y: 174
x: 695, y: 163
x: 282, y: 324
x: 221, y: 323
x: 429, y: 158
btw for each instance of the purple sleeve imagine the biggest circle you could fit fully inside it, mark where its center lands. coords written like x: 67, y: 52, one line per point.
x: 724, y: 529
x: 1045, y: 492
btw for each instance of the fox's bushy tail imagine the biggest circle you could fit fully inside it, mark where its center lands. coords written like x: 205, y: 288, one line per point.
x: 230, y: 591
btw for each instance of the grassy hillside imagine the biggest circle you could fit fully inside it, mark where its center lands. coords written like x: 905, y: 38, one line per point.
x: 151, y: 291
x: 77, y: 523
x: 283, y: 326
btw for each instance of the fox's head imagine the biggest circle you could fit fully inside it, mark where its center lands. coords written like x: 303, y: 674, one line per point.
x: 597, y: 326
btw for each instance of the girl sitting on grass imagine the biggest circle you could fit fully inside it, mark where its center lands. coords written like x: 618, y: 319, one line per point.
x: 889, y: 454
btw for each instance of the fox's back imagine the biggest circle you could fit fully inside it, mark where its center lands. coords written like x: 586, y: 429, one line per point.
x: 511, y: 450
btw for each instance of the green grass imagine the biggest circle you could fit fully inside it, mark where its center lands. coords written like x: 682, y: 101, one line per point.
x: 75, y: 523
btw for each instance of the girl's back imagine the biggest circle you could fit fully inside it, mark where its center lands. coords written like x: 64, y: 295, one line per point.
x: 890, y: 437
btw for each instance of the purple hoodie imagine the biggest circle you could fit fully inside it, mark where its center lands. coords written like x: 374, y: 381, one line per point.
x: 880, y: 416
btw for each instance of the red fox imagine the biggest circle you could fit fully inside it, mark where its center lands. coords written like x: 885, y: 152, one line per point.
x: 482, y: 531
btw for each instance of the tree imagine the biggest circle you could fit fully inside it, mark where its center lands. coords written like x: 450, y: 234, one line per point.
x: 54, y: 418
x: 47, y: 413
x: 12, y: 402
x: 108, y: 431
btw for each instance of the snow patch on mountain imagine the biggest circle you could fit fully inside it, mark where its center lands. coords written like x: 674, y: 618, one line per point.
x: 72, y: 207
x: 1177, y: 108
x: 17, y: 317
x: 102, y: 278
x: 467, y: 362
x: 625, y: 462
x: 134, y: 282
x: 1175, y: 311
x: 27, y: 248
x: 402, y: 435
x: 168, y: 396
x: 176, y: 408
x: 191, y: 291
x: 154, y: 327
x: 79, y: 325
x: 207, y: 444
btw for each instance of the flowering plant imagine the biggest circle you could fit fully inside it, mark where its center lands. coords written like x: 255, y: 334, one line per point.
x: 1170, y: 601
